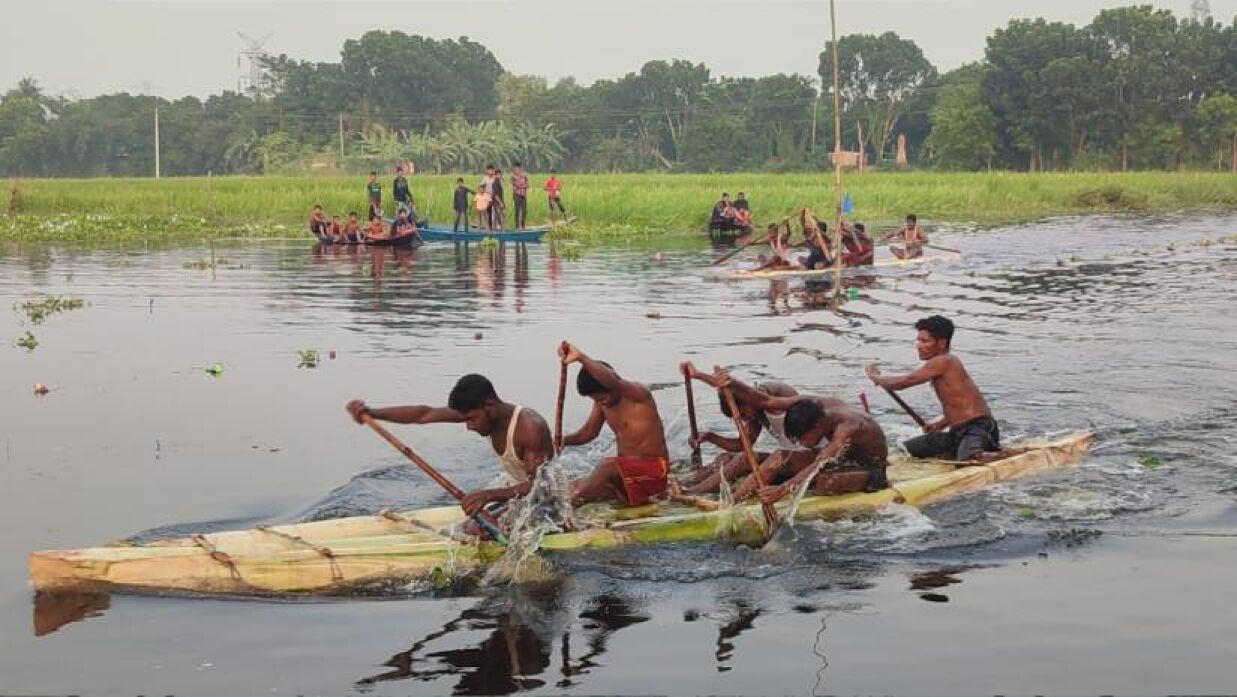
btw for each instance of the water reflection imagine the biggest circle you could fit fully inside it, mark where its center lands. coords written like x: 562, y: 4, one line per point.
x: 54, y: 610
x: 523, y: 625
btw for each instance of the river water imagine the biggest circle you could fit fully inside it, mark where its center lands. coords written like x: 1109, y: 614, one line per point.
x: 1113, y: 577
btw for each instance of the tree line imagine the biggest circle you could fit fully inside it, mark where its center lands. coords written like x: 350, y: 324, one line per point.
x: 1137, y: 88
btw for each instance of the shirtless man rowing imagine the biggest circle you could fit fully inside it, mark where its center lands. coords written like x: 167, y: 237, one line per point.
x: 518, y: 435
x: 912, y: 239
x: 639, y: 470
x: 973, y: 434
x: 732, y: 464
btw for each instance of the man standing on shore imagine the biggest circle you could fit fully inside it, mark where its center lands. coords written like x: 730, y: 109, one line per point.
x: 519, y: 194
x: 554, y: 193
x: 374, y: 191
x: 460, y: 204
x: 402, y: 194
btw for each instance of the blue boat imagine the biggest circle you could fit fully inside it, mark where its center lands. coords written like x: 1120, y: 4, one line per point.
x: 431, y: 233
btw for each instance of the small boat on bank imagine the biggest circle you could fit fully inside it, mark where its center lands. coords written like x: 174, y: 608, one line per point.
x: 348, y: 555
x: 431, y: 233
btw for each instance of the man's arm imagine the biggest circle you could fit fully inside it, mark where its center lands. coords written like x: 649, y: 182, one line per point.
x: 590, y: 430
x: 931, y: 370
x: 418, y: 414
x: 835, y: 450
x: 605, y: 376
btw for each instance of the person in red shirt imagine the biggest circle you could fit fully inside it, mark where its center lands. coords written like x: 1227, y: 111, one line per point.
x: 554, y: 192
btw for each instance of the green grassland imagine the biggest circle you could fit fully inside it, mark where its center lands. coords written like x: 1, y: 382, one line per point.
x: 607, y: 205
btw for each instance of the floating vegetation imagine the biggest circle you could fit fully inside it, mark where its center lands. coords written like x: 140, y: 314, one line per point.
x: 1150, y: 462
x: 28, y: 342
x: 37, y: 311
x: 1026, y: 512
x: 309, y: 358
x: 214, y: 370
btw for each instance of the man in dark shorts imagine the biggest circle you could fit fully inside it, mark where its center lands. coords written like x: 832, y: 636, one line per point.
x: 373, y: 190
x: 403, y: 194
x: 460, y: 204
x: 519, y: 194
x: 972, y: 435
x: 498, y: 203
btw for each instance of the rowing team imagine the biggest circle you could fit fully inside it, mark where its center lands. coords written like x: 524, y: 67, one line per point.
x: 841, y: 446
x: 858, y: 249
x: 331, y: 230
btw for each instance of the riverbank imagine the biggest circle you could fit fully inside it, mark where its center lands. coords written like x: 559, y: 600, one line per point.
x: 607, y: 205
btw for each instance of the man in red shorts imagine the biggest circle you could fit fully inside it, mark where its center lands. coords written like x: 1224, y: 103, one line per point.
x: 638, y: 473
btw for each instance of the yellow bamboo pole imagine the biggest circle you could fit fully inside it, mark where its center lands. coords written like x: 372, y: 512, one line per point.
x: 837, y: 157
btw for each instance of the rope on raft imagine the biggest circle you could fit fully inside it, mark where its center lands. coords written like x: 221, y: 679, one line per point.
x: 218, y: 556
x: 326, y: 552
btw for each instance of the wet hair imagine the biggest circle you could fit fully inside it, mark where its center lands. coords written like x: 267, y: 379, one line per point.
x: 471, y: 392
x: 802, y: 416
x: 587, y: 385
x: 939, y: 327
x: 913, y: 218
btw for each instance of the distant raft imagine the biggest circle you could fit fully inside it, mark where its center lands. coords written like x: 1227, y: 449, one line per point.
x: 347, y: 555
x: 774, y: 274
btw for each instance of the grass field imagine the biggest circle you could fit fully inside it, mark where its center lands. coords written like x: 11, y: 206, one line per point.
x: 616, y: 205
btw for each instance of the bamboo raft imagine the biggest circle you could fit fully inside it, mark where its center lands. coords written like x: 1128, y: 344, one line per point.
x: 774, y: 274
x: 348, y: 555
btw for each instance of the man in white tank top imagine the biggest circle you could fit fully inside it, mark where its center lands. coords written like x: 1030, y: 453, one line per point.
x: 519, y: 436
x: 733, y: 463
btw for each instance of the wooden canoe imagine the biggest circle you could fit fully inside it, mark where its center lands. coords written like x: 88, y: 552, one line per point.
x: 353, y: 554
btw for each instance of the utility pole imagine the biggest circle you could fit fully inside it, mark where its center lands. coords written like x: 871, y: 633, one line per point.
x: 341, y: 137
x: 837, y: 157
x: 815, y: 105
x: 156, y: 142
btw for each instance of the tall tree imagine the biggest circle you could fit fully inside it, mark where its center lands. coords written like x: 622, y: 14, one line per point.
x: 879, y: 74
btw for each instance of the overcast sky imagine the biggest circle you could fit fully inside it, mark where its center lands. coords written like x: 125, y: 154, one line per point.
x: 177, y: 47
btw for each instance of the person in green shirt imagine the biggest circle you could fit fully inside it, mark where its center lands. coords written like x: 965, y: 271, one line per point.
x: 374, y: 190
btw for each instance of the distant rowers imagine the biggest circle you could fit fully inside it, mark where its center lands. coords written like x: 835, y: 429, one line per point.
x: 973, y: 434
x: 638, y: 472
x: 908, y: 240
x: 519, y: 437
x: 858, y: 249
x: 352, y: 229
x: 733, y: 464
x: 318, y: 224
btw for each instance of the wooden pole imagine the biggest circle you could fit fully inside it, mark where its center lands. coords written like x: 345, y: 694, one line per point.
x: 691, y: 411
x: 157, y: 168
x: 837, y: 156
x: 485, y: 520
x: 770, y: 511
x: 907, y: 408
x: 558, y: 411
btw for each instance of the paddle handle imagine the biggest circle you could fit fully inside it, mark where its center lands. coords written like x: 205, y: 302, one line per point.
x: 691, y: 411
x: 485, y: 520
x: 770, y: 511
x: 907, y: 408
x: 558, y: 410
x: 738, y: 249
x: 943, y: 249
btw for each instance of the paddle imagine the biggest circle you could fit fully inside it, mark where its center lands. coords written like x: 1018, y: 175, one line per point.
x: 726, y: 257
x: 485, y: 520
x: 558, y: 412
x: 691, y: 417
x: 943, y: 249
x: 907, y: 408
x: 770, y: 511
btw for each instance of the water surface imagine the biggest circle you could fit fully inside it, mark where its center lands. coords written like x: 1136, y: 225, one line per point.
x: 1121, y: 325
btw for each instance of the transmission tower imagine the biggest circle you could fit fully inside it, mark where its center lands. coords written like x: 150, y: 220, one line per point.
x: 255, y: 80
x: 1201, y: 10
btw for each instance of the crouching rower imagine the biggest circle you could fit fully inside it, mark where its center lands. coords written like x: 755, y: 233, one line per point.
x: 732, y: 464
x: 854, y: 456
x: 638, y: 472
x: 519, y: 436
x: 973, y: 434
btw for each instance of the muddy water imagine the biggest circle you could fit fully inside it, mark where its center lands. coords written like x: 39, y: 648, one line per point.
x: 1112, y: 577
